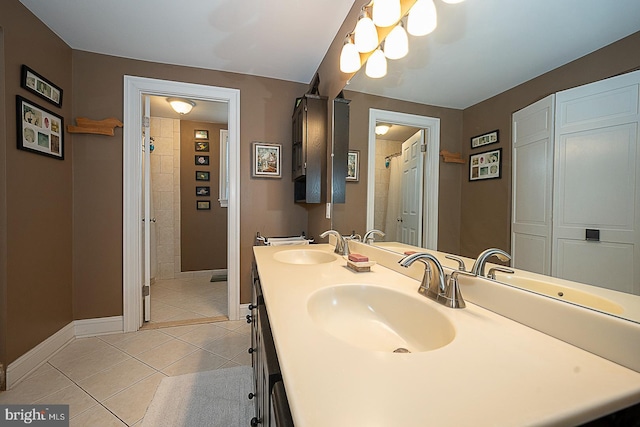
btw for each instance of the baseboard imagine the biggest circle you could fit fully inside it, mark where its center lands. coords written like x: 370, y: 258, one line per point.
x: 99, y: 326
x: 244, y: 307
x: 41, y: 353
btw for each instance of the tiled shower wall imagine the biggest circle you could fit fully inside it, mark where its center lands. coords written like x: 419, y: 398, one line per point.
x: 165, y: 182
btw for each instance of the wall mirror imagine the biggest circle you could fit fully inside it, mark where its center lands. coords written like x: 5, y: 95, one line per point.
x: 412, y: 86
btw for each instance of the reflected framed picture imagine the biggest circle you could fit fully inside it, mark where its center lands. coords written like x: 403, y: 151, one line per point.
x: 487, y: 165
x: 35, y: 83
x: 353, y: 165
x: 202, y: 160
x: 202, y: 176
x: 203, y: 191
x: 202, y: 145
x: 203, y: 205
x: 201, y: 134
x: 39, y: 130
x: 266, y: 160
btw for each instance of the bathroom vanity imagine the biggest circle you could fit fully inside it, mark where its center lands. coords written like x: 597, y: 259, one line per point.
x: 366, y: 349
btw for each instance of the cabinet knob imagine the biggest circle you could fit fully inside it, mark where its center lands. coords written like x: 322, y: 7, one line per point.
x: 255, y: 421
x: 249, y: 319
x: 251, y: 396
x: 251, y: 350
x: 251, y: 306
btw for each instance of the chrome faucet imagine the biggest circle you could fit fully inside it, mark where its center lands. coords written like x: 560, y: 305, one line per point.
x: 369, y: 236
x: 492, y: 272
x: 432, y: 285
x: 342, y: 247
x: 481, y: 261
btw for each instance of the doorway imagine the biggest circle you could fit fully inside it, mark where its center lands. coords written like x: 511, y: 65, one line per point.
x: 425, y: 129
x: 133, y: 226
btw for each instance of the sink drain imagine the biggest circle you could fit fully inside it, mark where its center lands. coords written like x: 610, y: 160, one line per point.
x: 401, y: 350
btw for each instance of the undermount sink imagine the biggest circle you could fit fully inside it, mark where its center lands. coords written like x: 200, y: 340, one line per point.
x: 304, y: 256
x: 564, y: 293
x: 380, y: 319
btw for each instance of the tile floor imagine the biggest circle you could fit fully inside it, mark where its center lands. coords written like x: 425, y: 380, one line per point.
x: 191, y: 298
x: 110, y: 380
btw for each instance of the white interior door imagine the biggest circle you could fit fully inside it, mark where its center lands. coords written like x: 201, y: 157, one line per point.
x: 146, y: 215
x: 532, y: 160
x: 597, y: 188
x: 412, y: 176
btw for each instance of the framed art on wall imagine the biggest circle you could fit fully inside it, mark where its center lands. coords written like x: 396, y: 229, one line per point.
x: 201, y: 134
x: 202, y: 146
x: 203, y: 191
x: 485, y: 165
x: 203, y: 205
x: 485, y: 139
x: 34, y: 82
x: 202, y: 176
x: 39, y: 130
x: 202, y: 160
x: 353, y: 165
x: 266, y: 160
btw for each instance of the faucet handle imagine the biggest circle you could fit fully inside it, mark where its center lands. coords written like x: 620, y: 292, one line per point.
x: 452, y: 295
x: 492, y: 272
x: 461, y: 266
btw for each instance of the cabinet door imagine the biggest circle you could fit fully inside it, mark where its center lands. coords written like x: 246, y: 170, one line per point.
x: 297, y: 133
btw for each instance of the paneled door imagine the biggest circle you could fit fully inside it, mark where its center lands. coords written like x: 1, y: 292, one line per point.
x: 146, y: 214
x: 412, y: 176
x: 596, y: 185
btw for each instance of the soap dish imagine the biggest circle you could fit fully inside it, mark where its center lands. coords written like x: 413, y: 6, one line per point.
x: 360, y: 266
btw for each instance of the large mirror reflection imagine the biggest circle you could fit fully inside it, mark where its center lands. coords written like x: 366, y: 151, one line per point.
x: 449, y: 76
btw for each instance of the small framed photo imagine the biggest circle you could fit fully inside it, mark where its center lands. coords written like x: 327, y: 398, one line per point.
x: 34, y: 82
x: 39, y: 130
x: 485, y: 165
x: 202, y: 134
x: 202, y: 175
x: 203, y: 191
x: 266, y: 160
x: 202, y: 160
x: 203, y: 205
x: 353, y: 165
x: 485, y: 139
x: 202, y: 146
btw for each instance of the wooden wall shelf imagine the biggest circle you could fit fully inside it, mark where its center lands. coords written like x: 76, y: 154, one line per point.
x: 449, y: 157
x: 97, y: 127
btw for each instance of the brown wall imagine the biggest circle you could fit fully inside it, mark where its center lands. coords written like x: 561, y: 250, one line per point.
x: 486, y: 205
x: 38, y: 189
x: 352, y: 215
x: 203, y: 233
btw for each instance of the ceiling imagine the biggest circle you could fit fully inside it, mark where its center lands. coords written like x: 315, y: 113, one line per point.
x: 480, y: 48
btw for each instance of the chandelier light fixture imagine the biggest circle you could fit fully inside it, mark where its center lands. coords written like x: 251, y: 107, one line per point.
x: 421, y: 19
x: 181, y: 106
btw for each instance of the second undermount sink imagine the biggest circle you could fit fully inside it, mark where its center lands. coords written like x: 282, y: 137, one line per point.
x: 564, y: 293
x: 304, y: 256
x: 380, y: 319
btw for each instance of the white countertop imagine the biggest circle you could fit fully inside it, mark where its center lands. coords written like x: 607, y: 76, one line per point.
x: 495, y: 371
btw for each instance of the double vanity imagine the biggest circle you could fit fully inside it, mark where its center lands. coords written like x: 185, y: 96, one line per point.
x: 366, y: 349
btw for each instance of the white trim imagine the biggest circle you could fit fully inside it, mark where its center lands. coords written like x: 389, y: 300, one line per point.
x: 100, y: 326
x: 37, y: 356
x: 134, y: 88
x: 432, y: 165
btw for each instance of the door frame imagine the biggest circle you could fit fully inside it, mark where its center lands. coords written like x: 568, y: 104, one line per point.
x: 134, y: 88
x: 431, y: 176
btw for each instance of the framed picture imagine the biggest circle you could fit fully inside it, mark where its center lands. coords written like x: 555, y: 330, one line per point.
x: 202, y: 134
x: 202, y: 145
x: 203, y: 205
x: 485, y: 139
x: 353, y: 165
x: 266, y: 160
x: 202, y: 160
x: 34, y: 82
x: 203, y: 191
x: 39, y: 130
x: 485, y: 165
x: 202, y: 175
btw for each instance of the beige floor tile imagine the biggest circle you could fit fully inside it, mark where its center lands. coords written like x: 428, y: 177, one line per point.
x: 72, y: 395
x: 204, y: 335
x: 186, y: 315
x: 131, y: 404
x: 243, y: 359
x: 230, y: 345
x: 110, y: 381
x: 33, y: 388
x: 97, y: 416
x: 235, y: 325
x: 77, y: 349
x: 142, y: 341
x: 177, y: 331
x: 230, y: 364
x: 198, y: 361
x: 166, y: 354
x: 80, y: 368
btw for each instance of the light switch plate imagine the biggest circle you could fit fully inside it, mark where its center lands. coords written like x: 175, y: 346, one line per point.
x: 328, y: 211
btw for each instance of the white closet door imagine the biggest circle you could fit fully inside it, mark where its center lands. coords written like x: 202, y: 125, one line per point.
x: 532, y: 160
x: 412, y: 175
x: 597, y: 185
